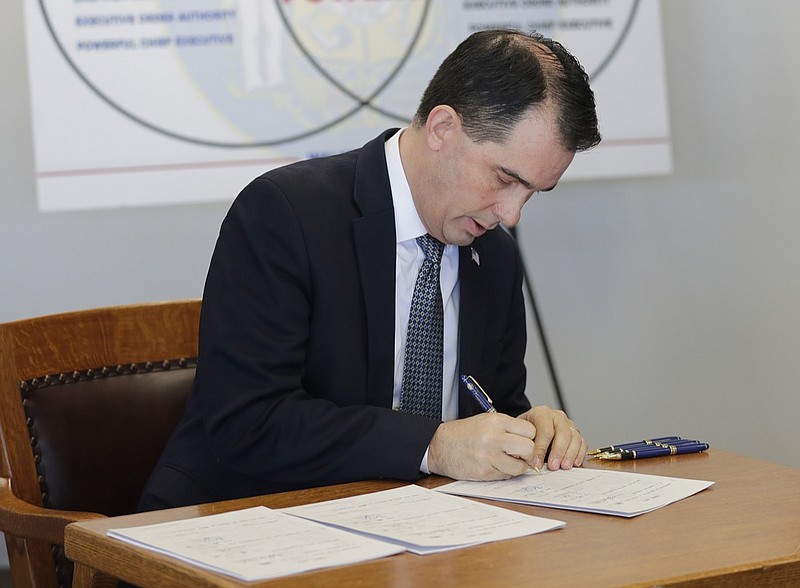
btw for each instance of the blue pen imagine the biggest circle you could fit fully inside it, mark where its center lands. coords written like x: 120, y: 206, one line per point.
x: 634, y: 444
x: 657, y: 451
x: 478, y: 393
x: 689, y: 444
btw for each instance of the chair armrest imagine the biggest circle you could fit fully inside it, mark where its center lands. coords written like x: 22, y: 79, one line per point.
x: 28, y: 521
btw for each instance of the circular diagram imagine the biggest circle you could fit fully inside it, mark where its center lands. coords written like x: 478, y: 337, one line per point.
x: 266, y: 73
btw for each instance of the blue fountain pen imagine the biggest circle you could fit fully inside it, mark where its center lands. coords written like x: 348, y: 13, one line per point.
x: 653, y: 451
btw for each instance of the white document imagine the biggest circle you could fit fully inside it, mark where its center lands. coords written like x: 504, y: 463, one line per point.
x: 423, y: 521
x: 624, y: 494
x: 255, y: 543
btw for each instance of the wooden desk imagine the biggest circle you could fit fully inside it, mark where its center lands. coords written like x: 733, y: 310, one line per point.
x: 743, y: 531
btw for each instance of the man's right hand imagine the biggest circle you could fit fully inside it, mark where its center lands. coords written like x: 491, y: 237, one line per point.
x: 488, y: 446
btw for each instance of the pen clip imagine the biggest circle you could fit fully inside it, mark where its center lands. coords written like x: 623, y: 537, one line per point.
x: 470, y: 381
x: 480, y: 395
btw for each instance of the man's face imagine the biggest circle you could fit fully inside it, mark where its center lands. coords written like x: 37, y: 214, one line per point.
x: 480, y: 185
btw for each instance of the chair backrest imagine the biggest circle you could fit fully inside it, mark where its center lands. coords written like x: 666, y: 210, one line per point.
x: 87, y: 401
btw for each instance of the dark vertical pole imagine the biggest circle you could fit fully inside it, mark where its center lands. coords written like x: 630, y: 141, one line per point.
x: 540, y: 327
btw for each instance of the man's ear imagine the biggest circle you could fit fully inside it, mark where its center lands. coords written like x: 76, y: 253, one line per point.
x: 442, y: 120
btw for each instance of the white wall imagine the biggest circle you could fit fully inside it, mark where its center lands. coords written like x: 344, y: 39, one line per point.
x: 671, y: 303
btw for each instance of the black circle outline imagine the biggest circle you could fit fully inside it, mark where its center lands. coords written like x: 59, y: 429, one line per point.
x: 344, y: 89
x: 361, y: 102
x: 625, y: 30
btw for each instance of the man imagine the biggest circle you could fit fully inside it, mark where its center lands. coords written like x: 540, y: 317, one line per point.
x: 305, y: 331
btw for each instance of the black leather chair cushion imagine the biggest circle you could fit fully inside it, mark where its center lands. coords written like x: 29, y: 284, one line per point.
x: 98, y: 434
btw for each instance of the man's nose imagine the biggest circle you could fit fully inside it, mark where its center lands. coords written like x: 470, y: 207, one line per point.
x: 510, y: 211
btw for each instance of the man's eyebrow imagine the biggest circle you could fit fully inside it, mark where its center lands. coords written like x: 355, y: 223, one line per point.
x: 516, y: 176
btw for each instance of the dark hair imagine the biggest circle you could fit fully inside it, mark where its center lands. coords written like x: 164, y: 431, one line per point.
x: 494, y: 78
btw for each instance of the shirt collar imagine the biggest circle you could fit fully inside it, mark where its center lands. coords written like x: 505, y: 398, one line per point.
x: 407, y: 223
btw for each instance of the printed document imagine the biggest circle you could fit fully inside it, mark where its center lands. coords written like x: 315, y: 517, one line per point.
x: 255, y: 543
x: 424, y: 521
x: 624, y: 494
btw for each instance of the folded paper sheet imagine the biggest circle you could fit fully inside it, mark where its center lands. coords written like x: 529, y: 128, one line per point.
x: 424, y: 521
x: 624, y: 494
x: 255, y: 543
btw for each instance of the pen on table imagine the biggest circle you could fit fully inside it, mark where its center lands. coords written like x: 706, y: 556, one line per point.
x: 483, y: 399
x: 654, y: 451
x: 634, y: 444
x: 644, y: 446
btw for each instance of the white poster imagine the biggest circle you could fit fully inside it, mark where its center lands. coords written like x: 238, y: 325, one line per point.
x: 142, y: 102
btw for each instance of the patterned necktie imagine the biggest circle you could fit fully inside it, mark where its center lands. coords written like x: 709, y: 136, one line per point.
x: 421, y: 391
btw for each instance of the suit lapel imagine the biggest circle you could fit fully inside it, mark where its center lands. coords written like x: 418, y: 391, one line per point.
x: 471, y: 321
x: 375, y: 241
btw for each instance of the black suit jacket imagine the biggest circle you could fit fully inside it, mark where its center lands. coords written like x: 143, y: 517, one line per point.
x: 294, y: 379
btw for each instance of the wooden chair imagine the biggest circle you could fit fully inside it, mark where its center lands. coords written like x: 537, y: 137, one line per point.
x: 87, y: 401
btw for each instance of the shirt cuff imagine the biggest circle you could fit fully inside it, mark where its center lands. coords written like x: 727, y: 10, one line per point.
x: 423, y: 467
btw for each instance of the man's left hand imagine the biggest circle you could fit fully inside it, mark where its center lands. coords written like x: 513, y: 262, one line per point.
x: 556, y: 431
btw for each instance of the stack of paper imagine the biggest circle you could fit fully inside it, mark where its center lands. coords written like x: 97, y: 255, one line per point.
x: 624, y: 494
x: 260, y: 543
